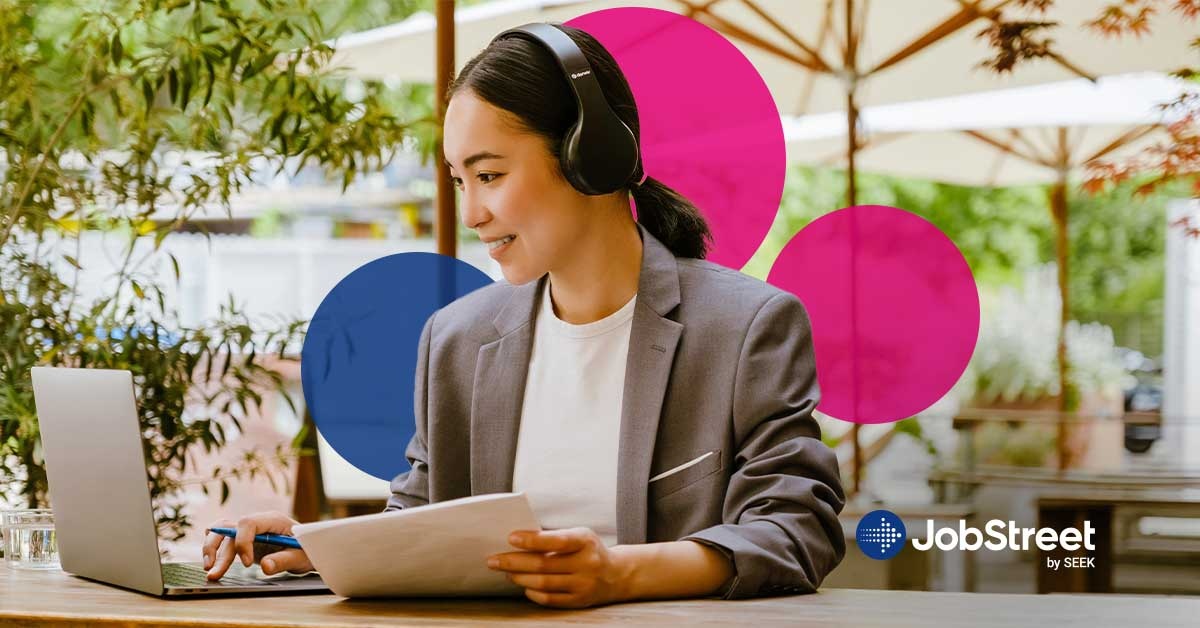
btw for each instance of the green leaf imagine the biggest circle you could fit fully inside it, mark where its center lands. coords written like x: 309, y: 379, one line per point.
x: 160, y: 235
x: 148, y: 95
x: 72, y: 261
x: 115, y: 97
x: 236, y: 54
x: 259, y: 64
x: 174, y: 266
x: 85, y: 118
x: 117, y: 50
x: 185, y: 91
x: 173, y: 84
x: 212, y: 80
x: 277, y: 125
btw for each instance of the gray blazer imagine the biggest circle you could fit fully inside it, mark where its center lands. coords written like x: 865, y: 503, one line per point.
x: 718, y: 362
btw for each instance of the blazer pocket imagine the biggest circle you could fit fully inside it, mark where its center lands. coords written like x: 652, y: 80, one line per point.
x: 684, y: 475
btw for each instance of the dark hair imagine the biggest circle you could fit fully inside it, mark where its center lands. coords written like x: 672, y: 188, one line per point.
x: 522, y: 78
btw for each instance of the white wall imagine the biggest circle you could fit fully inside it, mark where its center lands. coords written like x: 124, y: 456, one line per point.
x: 1181, y: 339
x: 266, y: 277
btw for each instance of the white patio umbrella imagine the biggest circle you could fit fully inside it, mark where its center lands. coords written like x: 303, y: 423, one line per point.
x: 1040, y: 134
x: 999, y: 138
x: 817, y: 55
x: 798, y: 45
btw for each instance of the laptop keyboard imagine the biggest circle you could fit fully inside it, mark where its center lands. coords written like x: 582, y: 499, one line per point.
x: 191, y: 575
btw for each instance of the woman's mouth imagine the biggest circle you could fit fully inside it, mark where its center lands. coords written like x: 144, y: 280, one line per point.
x: 496, y: 247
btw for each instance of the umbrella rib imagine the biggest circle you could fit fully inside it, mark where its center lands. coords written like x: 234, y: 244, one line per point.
x: 1125, y: 138
x: 1064, y: 151
x: 703, y: 15
x: 1001, y: 156
x: 876, y: 140
x: 1061, y: 60
x: 1034, y: 149
x: 857, y: 27
x: 1007, y: 147
x: 792, y: 37
x: 967, y: 14
x: 810, y: 80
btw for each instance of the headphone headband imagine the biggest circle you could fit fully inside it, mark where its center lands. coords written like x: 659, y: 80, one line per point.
x: 599, y: 153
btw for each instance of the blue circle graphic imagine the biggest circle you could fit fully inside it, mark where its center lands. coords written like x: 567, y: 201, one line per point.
x: 358, y: 363
x: 881, y: 534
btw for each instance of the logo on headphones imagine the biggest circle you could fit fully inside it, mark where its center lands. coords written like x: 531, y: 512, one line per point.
x: 576, y: 75
x: 880, y: 534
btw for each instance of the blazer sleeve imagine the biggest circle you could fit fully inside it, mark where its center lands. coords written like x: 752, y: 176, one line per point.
x: 411, y: 488
x: 781, y: 529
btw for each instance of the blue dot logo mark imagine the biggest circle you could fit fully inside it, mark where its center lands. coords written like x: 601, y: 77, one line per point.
x: 881, y: 534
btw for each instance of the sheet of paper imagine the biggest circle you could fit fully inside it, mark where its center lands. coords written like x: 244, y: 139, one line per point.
x: 435, y: 550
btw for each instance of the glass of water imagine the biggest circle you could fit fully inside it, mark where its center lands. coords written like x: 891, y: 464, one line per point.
x: 29, y: 541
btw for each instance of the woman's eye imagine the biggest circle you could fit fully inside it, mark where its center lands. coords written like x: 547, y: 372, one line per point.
x: 488, y: 177
x: 456, y: 182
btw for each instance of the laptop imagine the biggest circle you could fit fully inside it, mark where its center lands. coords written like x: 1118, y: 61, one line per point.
x: 99, y: 491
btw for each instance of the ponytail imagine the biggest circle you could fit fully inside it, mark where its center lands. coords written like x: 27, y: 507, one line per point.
x: 671, y: 218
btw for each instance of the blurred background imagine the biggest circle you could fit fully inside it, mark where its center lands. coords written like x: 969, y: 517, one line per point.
x: 185, y: 181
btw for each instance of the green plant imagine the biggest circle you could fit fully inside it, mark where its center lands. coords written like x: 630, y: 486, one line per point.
x: 190, y: 382
x: 92, y: 101
x: 132, y: 117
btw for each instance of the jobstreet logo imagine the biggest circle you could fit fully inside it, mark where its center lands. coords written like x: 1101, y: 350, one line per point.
x: 1005, y: 535
x: 881, y: 535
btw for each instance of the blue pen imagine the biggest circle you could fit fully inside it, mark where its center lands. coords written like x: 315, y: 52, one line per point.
x: 272, y: 539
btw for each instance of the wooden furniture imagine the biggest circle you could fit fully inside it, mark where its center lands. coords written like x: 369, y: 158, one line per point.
x: 1116, y: 516
x: 57, y: 599
x: 327, y: 484
x: 957, y: 483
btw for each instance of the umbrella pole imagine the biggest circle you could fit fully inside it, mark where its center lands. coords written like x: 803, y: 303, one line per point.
x: 444, y: 227
x: 851, y: 200
x: 1058, y: 211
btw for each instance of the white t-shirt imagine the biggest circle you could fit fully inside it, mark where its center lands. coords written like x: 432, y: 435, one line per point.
x: 566, y: 460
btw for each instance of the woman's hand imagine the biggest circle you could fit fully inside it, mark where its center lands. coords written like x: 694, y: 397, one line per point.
x: 219, y: 550
x: 568, y: 568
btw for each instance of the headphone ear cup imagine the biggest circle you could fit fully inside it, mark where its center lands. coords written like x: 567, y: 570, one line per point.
x: 569, y: 160
x: 605, y: 153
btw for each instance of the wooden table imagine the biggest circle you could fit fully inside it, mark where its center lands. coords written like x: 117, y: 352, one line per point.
x: 56, y: 599
x: 1114, y: 514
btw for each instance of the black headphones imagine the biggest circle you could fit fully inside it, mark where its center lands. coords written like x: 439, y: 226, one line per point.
x: 599, y: 153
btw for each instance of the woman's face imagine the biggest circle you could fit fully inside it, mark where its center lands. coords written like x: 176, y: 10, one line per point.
x: 511, y: 186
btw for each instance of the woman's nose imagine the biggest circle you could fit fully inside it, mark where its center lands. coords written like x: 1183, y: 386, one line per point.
x: 473, y: 211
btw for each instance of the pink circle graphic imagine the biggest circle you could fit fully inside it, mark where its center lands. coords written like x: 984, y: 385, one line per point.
x: 709, y: 126
x: 893, y: 305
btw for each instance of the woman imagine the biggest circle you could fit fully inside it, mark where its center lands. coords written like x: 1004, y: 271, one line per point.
x: 656, y: 408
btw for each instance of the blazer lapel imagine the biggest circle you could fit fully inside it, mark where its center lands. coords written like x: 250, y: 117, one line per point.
x: 652, y: 342
x: 499, y: 392
x: 503, y: 366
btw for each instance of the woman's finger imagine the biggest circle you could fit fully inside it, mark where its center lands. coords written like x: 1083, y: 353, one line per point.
x: 247, y: 528
x: 562, y: 541
x: 225, y: 555
x: 293, y: 560
x: 212, y: 541
x: 558, y: 600
x: 530, y: 562
x: 560, y: 583
x: 258, y: 523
